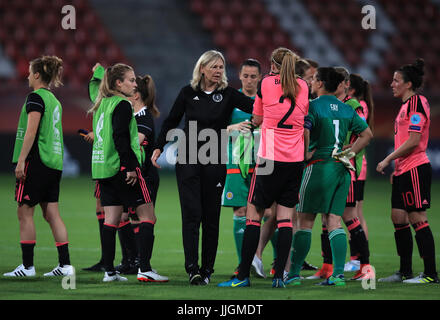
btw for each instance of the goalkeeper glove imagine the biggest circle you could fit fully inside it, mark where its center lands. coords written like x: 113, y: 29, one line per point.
x: 344, y: 156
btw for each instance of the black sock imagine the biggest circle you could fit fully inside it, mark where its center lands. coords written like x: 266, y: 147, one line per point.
x: 359, y: 240
x: 135, y: 228
x: 63, y: 253
x: 354, y: 252
x: 284, y: 244
x: 100, y: 215
x: 249, y: 247
x: 146, y: 241
x: 404, y: 246
x: 426, y: 246
x: 325, y: 246
x: 128, y: 243
x: 27, y: 250
x: 109, y: 242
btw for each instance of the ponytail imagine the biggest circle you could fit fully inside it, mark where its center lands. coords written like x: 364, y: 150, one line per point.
x: 285, y: 60
x: 147, y: 90
x: 107, y: 88
x: 50, y: 69
x: 362, y: 91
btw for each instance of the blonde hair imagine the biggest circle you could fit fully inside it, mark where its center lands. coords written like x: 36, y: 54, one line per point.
x: 147, y: 91
x: 206, y: 59
x: 50, y: 69
x: 107, y: 88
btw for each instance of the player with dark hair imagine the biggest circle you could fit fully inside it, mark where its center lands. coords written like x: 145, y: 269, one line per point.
x: 411, y: 179
x: 360, y: 90
x: 358, y: 239
x: 326, y: 180
x: 38, y: 153
x: 241, y: 164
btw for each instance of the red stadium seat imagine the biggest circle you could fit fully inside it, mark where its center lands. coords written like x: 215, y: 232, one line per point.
x: 72, y: 53
x: 248, y: 22
x: 233, y: 56
x: 217, y: 6
x: 12, y: 51
x: 21, y: 35
x: 41, y: 36
x: 239, y: 39
x: 197, y: 6
x: 227, y: 22
x: 52, y: 19
x: 260, y: 39
x: 209, y: 21
x: 51, y: 48
x: 237, y: 8
x: 221, y: 39
x: 267, y: 22
x: 32, y: 51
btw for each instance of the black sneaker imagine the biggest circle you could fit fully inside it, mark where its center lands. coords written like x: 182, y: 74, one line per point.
x: 206, y: 277
x: 195, y: 279
x: 308, y: 266
x: 99, y: 267
x: 126, y: 268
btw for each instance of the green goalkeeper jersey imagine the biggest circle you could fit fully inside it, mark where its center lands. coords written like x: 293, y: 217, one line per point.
x: 330, y: 120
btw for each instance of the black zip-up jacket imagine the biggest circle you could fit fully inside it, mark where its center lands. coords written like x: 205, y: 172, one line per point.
x: 121, y: 135
x: 211, y: 111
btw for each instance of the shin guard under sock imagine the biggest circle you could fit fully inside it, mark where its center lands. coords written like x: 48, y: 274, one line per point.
x: 359, y: 240
x: 284, y: 244
x: 127, y: 241
x: 303, y: 240
x: 146, y: 241
x: 109, y: 242
x: 250, y: 244
x: 426, y: 246
x: 404, y: 246
x: 27, y: 251
x: 239, y: 224
x: 325, y: 246
x: 338, y: 242
x: 63, y: 253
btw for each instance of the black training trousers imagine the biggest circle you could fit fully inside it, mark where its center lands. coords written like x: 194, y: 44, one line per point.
x: 200, y: 190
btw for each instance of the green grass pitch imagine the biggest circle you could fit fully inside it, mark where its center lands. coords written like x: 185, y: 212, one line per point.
x: 77, y: 207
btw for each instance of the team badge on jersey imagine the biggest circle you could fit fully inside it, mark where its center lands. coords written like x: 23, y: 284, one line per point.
x: 217, y: 97
x: 229, y: 195
x: 415, y: 119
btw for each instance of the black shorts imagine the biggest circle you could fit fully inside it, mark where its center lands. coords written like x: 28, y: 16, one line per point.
x: 152, y: 181
x: 116, y: 192
x: 355, y: 193
x: 282, y: 186
x: 411, y: 191
x: 42, y: 184
x: 359, y: 187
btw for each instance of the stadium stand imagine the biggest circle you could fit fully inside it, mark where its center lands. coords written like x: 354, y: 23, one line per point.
x: 242, y: 28
x: 164, y: 38
x: 31, y: 28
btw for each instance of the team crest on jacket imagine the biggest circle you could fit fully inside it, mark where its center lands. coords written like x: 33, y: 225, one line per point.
x: 217, y: 97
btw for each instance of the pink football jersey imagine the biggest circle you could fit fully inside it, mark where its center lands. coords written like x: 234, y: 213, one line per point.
x: 282, y: 130
x: 414, y: 116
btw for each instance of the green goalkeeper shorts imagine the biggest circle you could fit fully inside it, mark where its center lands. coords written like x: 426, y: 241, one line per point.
x: 236, y: 190
x: 324, y: 187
